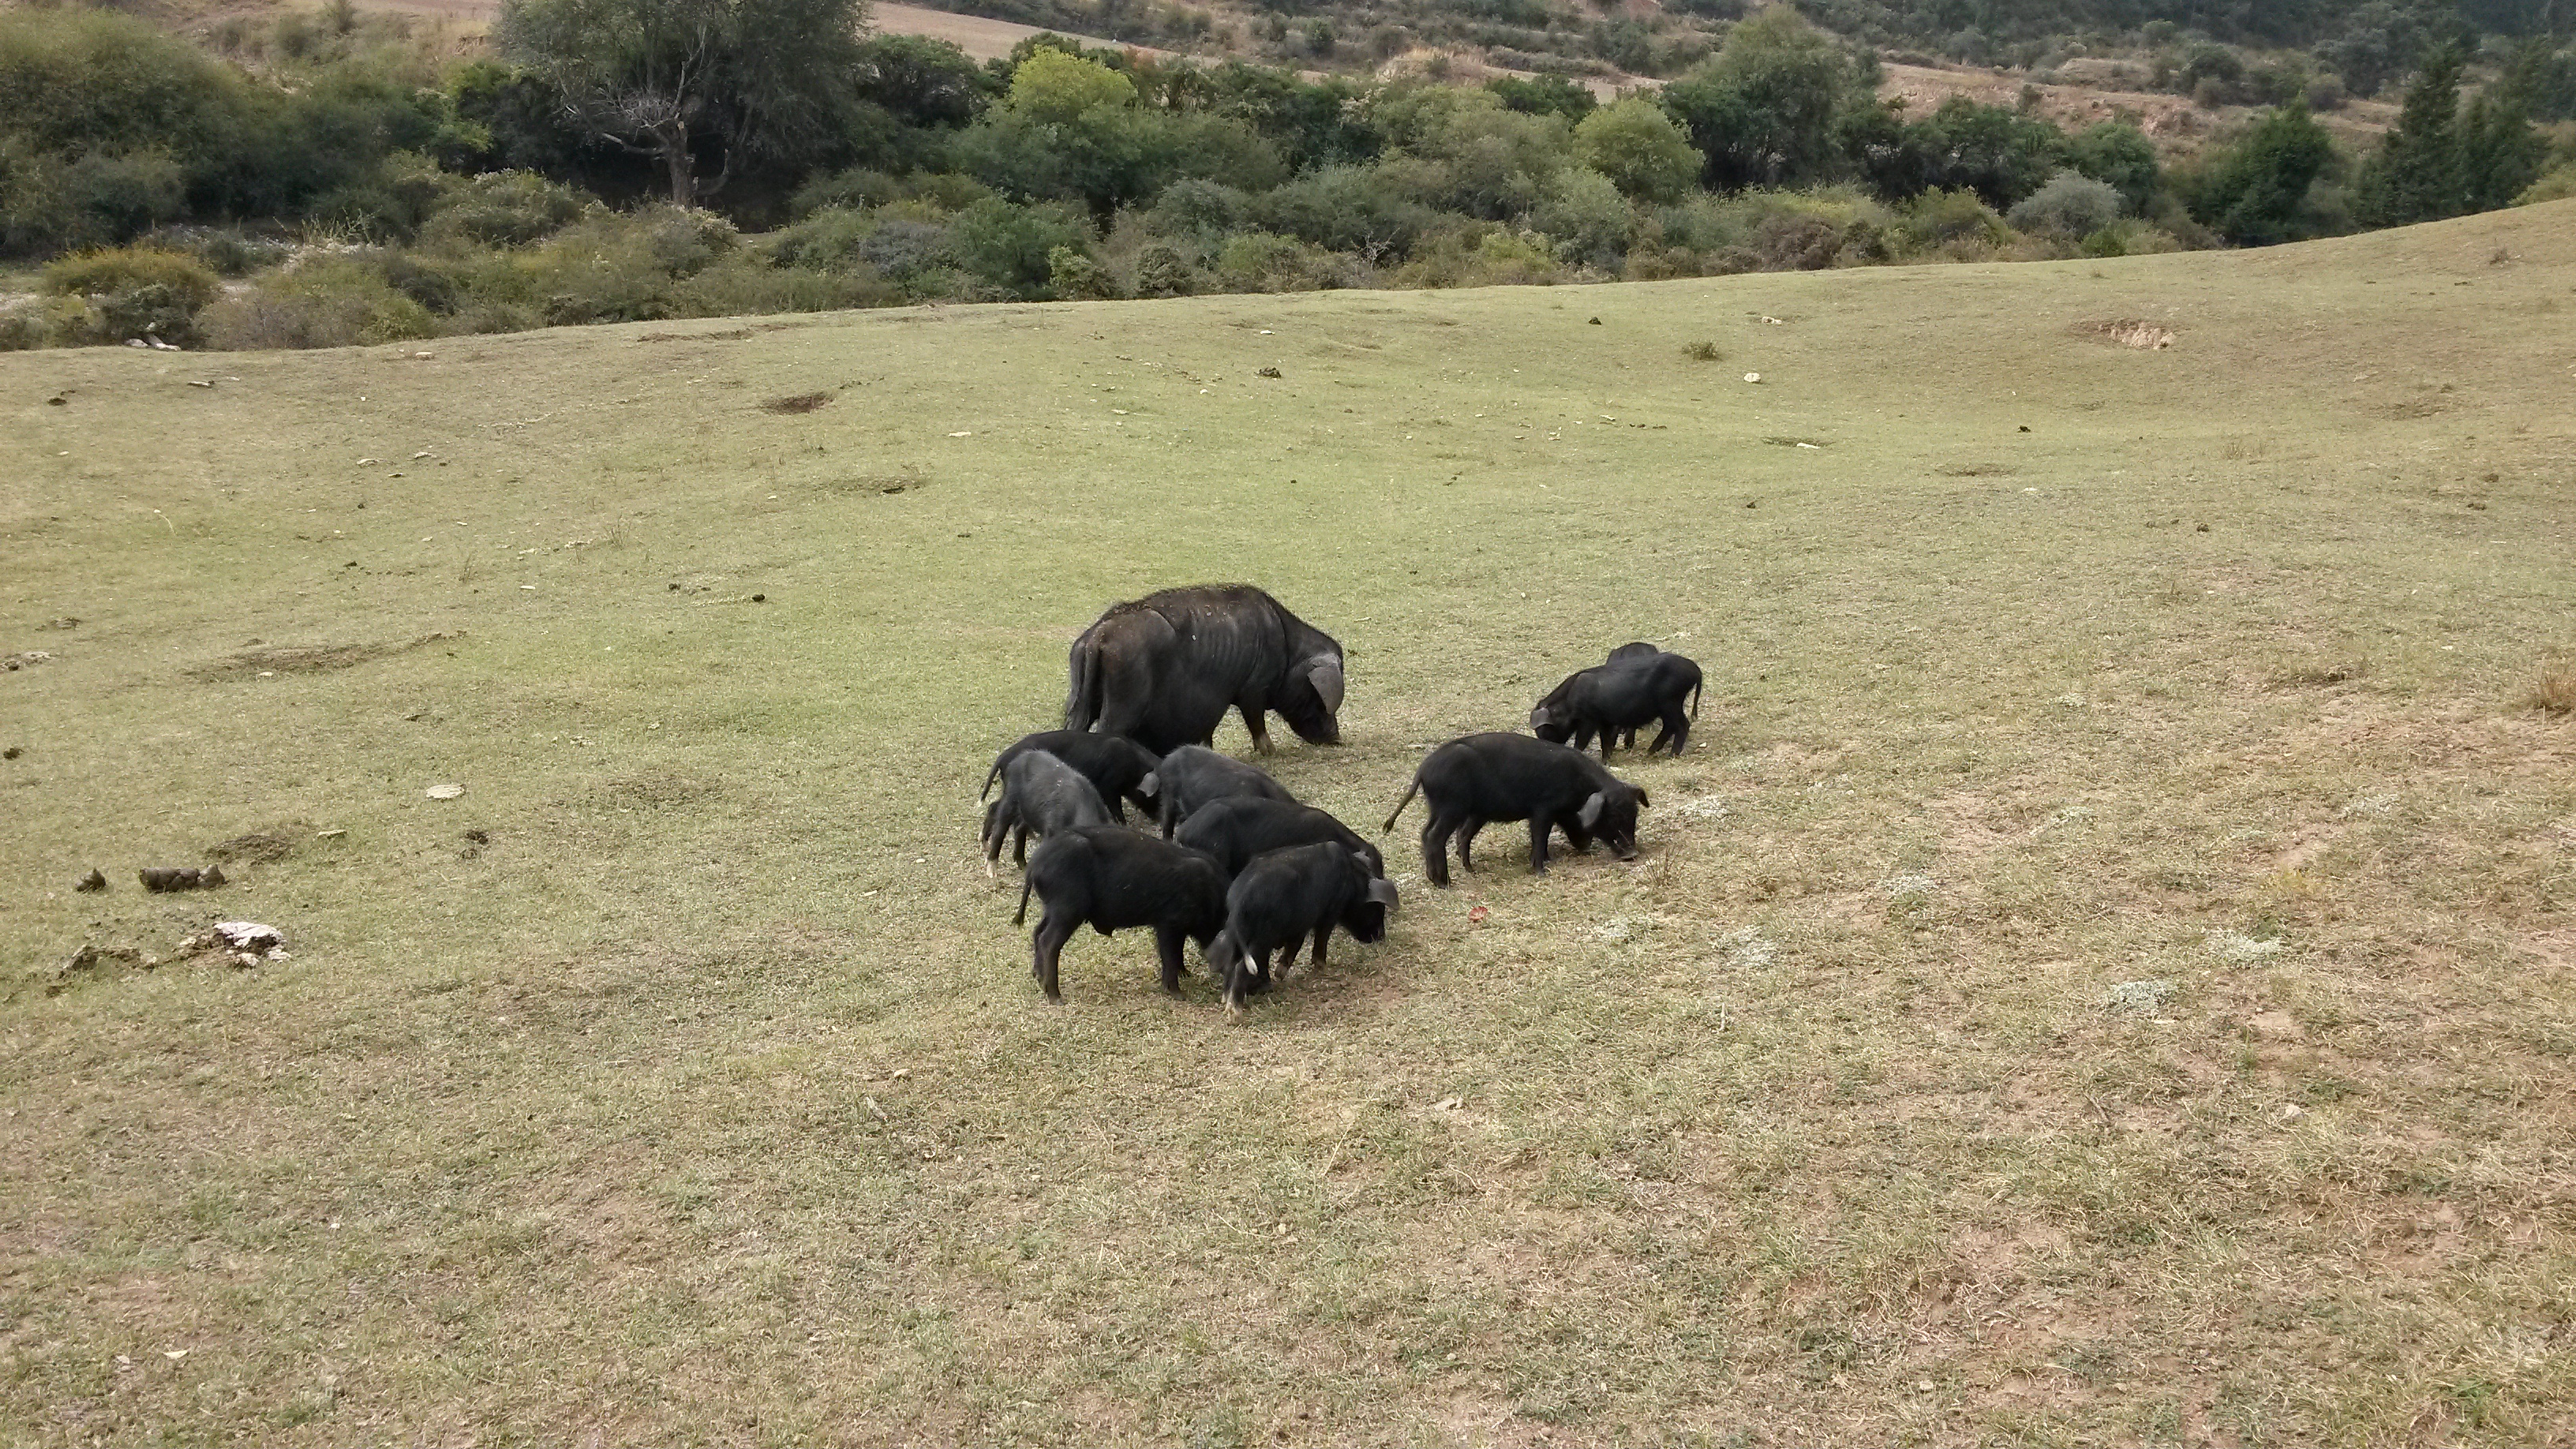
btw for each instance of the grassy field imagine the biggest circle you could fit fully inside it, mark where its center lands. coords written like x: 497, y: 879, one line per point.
x: 2102, y: 974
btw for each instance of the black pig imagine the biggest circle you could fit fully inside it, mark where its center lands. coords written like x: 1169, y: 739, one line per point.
x: 1041, y: 795
x: 1285, y: 895
x: 1235, y: 830
x: 1473, y: 781
x: 1111, y: 878
x: 1118, y: 767
x: 1194, y: 775
x: 1632, y: 689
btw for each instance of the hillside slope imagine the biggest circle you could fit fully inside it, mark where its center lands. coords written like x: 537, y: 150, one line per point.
x: 2101, y: 973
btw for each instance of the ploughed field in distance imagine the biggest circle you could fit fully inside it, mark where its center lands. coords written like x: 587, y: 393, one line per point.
x: 2098, y: 973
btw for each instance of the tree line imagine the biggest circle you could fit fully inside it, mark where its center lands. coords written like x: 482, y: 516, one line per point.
x: 630, y: 159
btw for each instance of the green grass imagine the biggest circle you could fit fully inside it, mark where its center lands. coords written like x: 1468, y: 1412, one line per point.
x: 709, y: 1099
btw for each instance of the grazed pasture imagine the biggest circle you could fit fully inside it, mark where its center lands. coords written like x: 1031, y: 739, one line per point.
x: 2100, y: 976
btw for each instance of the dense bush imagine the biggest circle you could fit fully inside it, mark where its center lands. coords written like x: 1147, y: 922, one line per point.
x: 505, y: 208
x: 2071, y: 204
x: 131, y: 292
x: 326, y: 302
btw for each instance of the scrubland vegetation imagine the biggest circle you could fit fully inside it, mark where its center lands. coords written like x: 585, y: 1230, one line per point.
x: 333, y: 179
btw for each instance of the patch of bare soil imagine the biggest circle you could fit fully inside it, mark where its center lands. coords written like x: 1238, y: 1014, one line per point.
x: 803, y: 402
x: 2129, y: 332
x: 262, y: 847
x: 308, y: 658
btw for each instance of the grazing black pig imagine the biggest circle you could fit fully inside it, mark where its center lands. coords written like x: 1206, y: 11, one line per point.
x: 1118, y: 767
x: 1473, y: 781
x: 1237, y: 829
x: 1638, y: 650
x: 1285, y: 895
x: 1193, y: 775
x: 1041, y: 795
x: 1632, y: 689
x: 1111, y: 878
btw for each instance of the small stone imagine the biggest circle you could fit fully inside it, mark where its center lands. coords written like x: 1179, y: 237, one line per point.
x: 94, y: 881
x: 444, y: 792
x: 1752, y: 377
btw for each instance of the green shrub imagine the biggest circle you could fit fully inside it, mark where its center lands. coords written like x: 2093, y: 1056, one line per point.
x: 1008, y: 246
x: 228, y: 251
x: 1952, y: 223
x: 506, y: 209
x: 1587, y: 216
x: 22, y: 327
x: 741, y: 285
x: 327, y: 302
x: 1161, y: 271
x: 1769, y: 231
x: 2071, y: 203
x: 1261, y: 261
x: 1072, y: 274
x: 830, y: 238
x: 856, y: 189
x: 132, y: 292
x: 2557, y: 185
x: 1481, y: 257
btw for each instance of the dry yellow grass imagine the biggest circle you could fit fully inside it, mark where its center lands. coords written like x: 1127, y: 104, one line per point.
x: 2102, y: 974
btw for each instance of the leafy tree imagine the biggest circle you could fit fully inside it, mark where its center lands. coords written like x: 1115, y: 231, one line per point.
x: 1635, y: 144
x: 1763, y: 111
x: 2119, y: 155
x: 2255, y: 193
x: 751, y: 80
x: 1541, y: 95
x: 1999, y: 153
x: 922, y: 82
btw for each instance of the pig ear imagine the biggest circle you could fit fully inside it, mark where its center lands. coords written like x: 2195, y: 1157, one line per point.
x: 1591, y: 810
x: 1149, y: 785
x: 1326, y: 676
x: 1383, y: 892
x: 1641, y: 797
x: 1221, y: 953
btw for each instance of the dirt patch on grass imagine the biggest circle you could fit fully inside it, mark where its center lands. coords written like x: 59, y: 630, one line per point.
x: 803, y: 402
x: 2129, y: 332
x: 878, y: 483
x: 309, y: 658
x: 262, y: 847
x: 654, y: 789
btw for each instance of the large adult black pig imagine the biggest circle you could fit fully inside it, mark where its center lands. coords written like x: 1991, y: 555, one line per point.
x: 1475, y: 780
x: 1163, y: 670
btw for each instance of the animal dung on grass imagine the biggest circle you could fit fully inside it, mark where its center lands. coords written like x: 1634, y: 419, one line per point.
x: 94, y: 881
x: 160, y: 878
